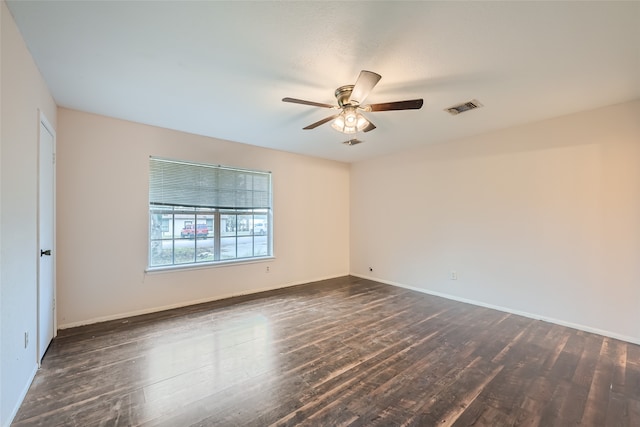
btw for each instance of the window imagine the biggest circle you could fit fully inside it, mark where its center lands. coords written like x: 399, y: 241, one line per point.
x: 207, y: 214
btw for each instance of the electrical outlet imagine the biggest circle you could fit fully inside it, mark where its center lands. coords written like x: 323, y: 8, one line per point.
x: 453, y: 275
x: 268, y: 269
x: 26, y: 339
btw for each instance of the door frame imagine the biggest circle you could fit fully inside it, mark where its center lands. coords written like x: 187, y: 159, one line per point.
x: 43, y: 121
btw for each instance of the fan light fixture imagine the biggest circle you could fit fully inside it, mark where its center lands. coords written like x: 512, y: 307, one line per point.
x: 350, y: 121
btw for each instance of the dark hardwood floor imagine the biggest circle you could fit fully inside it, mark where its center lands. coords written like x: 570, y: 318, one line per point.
x: 346, y: 351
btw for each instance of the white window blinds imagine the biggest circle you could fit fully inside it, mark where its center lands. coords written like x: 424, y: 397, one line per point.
x: 176, y: 183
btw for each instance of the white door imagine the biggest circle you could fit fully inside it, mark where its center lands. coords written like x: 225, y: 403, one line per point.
x: 46, y: 191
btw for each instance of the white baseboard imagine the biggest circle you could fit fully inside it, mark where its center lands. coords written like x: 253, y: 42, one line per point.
x: 560, y: 322
x: 187, y: 303
x: 23, y: 394
x: 577, y: 326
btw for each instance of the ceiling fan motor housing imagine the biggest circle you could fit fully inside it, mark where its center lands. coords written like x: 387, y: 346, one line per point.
x: 342, y: 95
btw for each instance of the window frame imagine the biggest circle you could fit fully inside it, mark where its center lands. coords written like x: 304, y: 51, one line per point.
x: 261, y: 244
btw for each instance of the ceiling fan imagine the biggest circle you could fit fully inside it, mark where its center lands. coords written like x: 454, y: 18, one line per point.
x: 350, y: 101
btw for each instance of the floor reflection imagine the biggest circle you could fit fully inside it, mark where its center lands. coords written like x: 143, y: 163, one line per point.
x: 232, y: 352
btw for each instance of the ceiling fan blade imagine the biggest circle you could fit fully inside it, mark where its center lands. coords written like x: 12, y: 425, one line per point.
x: 413, y: 104
x: 303, y: 102
x: 369, y: 127
x: 321, y: 122
x: 366, y: 81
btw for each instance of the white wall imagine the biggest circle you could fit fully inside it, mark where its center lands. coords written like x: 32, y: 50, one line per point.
x: 24, y: 93
x: 542, y: 219
x: 102, y: 219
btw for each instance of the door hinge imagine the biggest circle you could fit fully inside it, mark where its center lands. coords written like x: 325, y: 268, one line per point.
x: 54, y: 158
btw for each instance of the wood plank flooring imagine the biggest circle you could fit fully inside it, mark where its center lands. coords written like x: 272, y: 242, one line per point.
x: 345, y: 351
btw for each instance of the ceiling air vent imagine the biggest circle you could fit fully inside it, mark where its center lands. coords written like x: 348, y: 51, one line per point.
x: 352, y: 141
x: 461, y: 108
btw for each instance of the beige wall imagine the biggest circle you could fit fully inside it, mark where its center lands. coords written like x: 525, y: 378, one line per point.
x: 102, y: 219
x: 539, y: 219
x: 542, y: 219
x: 23, y: 95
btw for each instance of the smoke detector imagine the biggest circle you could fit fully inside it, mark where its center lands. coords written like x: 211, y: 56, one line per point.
x: 461, y: 108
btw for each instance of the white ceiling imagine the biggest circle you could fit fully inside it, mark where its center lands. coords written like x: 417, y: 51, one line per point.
x: 221, y: 68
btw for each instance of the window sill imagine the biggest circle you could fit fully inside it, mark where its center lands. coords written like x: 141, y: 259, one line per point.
x: 200, y: 266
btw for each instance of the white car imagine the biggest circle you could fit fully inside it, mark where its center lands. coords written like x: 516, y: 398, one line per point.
x: 260, y: 228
